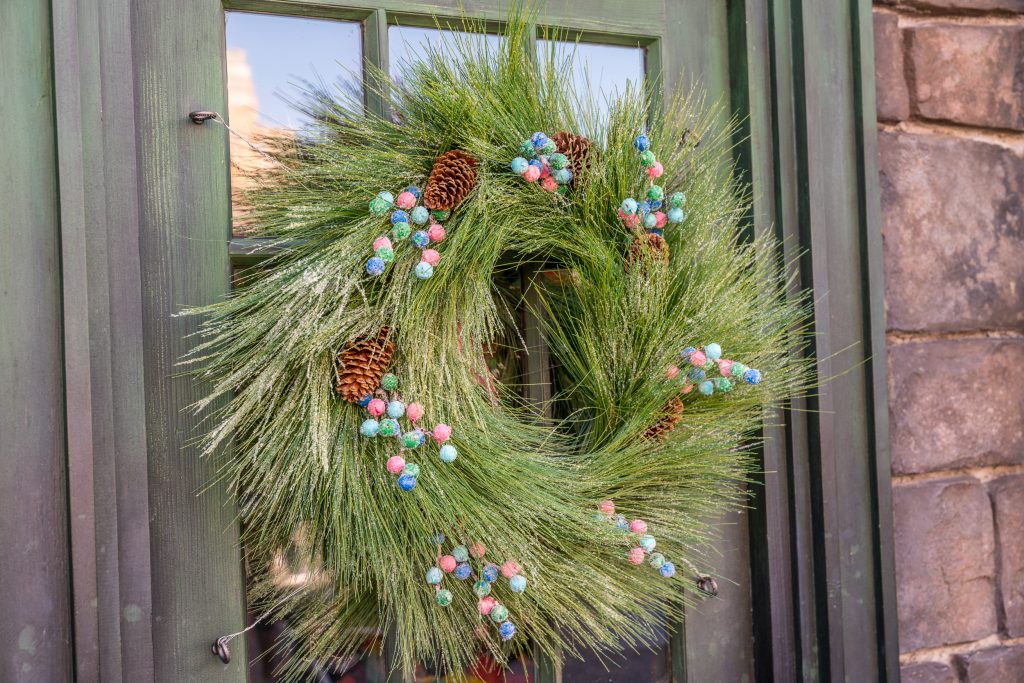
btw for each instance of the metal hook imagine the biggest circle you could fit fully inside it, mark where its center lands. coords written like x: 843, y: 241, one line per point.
x: 707, y: 585
x: 201, y: 117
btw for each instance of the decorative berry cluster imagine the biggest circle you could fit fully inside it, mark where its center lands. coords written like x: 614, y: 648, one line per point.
x: 648, y: 212
x: 645, y: 543
x: 540, y: 160
x: 406, y: 210
x: 408, y: 440
x: 708, y: 358
x: 457, y: 564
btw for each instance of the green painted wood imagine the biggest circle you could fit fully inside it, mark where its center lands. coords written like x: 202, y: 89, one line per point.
x: 35, y: 632
x: 178, y: 52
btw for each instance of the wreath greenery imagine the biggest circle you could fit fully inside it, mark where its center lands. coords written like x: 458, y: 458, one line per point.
x: 615, y: 318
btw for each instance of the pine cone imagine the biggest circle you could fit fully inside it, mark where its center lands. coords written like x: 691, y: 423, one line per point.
x: 452, y: 178
x: 648, y: 245
x: 577, y: 148
x: 672, y: 415
x: 362, y: 363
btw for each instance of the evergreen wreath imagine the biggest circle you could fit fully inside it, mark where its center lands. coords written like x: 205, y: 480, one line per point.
x: 373, y: 446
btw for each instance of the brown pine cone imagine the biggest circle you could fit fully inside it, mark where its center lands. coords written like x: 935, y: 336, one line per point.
x: 577, y: 148
x: 649, y: 245
x: 451, y: 179
x: 672, y: 415
x: 362, y: 363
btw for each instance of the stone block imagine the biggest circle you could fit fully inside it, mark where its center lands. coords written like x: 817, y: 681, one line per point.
x: 968, y: 74
x: 995, y: 665
x: 1008, y: 498
x: 953, y: 233
x: 892, y: 97
x: 956, y: 403
x: 945, y: 573
x: 928, y: 672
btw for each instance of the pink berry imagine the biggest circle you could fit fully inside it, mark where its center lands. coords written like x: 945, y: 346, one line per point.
x: 656, y: 170
x: 672, y: 372
x: 477, y: 549
x: 447, y: 563
x: 509, y: 569
x: 549, y: 184
x: 607, y: 507
x: 414, y: 411
x: 698, y: 358
x: 632, y: 220
x: 725, y: 367
x: 381, y: 241
x: 436, y: 232
x: 442, y: 432
x: 661, y: 219
x: 531, y: 174
x: 486, y: 604
x: 430, y: 256
x: 687, y: 388
x: 638, y: 526
x: 636, y: 555
x: 396, y: 464
x: 406, y: 200
x: 545, y: 170
x: 377, y: 407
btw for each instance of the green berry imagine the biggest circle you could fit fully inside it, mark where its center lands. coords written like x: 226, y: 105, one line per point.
x: 656, y: 560
x: 723, y: 384
x: 656, y: 193
x: 444, y: 597
x: 737, y: 370
x: 481, y: 588
x: 440, y: 214
x: 558, y: 161
x: 411, y: 439
x: 647, y: 159
x: 401, y: 230
x: 388, y: 427
x: 526, y: 149
x: 499, y: 613
x: 389, y: 382
x: 678, y: 199
x: 386, y: 254
x: 549, y: 147
x: 412, y: 469
x: 378, y: 206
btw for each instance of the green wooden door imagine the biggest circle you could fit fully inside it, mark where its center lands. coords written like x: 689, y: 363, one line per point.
x: 154, y: 572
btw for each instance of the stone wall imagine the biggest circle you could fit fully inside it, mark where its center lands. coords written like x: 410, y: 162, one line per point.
x: 950, y: 78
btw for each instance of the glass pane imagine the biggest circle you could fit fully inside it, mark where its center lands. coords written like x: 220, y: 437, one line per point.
x: 407, y: 44
x: 650, y: 665
x: 271, y: 61
x: 605, y: 70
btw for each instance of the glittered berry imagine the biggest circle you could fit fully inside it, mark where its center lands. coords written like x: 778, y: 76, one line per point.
x: 407, y: 482
x: 378, y: 207
x: 656, y: 170
x: 365, y: 401
x: 685, y: 353
x: 548, y: 184
x: 431, y: 256
x: 447, y: 563
x: 442, y: 432
x: 388, y: 427
x: 381, y: 241
x: 656, y: 193
x: 461, y: 553
x: 406, y: 200
x: 656, y: 560
x: 499, y: 613
x: 629, y: 206
x: 375, y: 266
x: 509, y: 569
x: 642, y: 143
x: 440, y: 214
x: 526, y: 149
x: 687, y: 388
x: 420, y: 215
x: 420, y: 239
x: 723, y: 385
x: 562, y: 176
x: 517, y: 583
x: 411, y: 439
x: 713, y: 351
x: 538, y: 139
x: 678, y: 199
x: 707, y: 387
x: 519, y: 165
x: 725, y: 367
x: 507, y: 630
x: 396, y: 409
x: 369, y: 427
x: 444, y: 597
x: 414, y: 411
x: 385, y: 254
x: 448, y: 453
x: 400, y: 231
x: 399, y: 217
x: 389, y: 382
x: 549, y: 147
x: 638, y: 526
x: 736, y: 370
x: 558, y: 160
x: 377, y: 407
x: 621, y: 522
x: 668, y: 570
x: 647, y: 542
x: 645, y: 207
x: 486, y: 604
x: 481, y: 588
x: 672, y: 371
x: 696, y: 374
x: 752, y: 376
x: 607, y: 507
x: 531, y: 174
x: 490, y: 572
x: 647, y: 159
x: 650, y: 221
x: 676, y: 215
x: 436, y: 232
x: 660, y: 219
x: 698, y: 359
x: 462, y: 571
x: 636, y: 555
x: 424, y: 270
x: 434, y: 576
x: 414, y: 191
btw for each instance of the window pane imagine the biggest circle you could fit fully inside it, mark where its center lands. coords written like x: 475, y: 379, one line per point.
x: 407, y: 44
x: 604, y: 70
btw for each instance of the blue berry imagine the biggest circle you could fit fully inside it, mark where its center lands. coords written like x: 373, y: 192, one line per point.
x: 424, y: 270
x: 407, y: 482
x: 562, y: 176
x: 462, y: 571
x: 434, y: 576
x: 448, y: 453
x: 396, y: 409
x: 642, y: 143
x: 707, y: 387
x: 375, y: 266
x: 713, y: 351
x: 438, y: 538
x: 650, y: 221
x: 676, y: 215
x: 420, y: 238
x: 629, y: 206
x: 647, y: 542
x: 687, y: 351
x: 369, y: 427
x: 414, y: 191
x: 668, y: 570
x: 519, y: 165
x: 399, y: 217
x: 507, y: 630
x: 752, y: 376
x: 420, y: 215
x: 490, y: 573
x: 365, y: 401
x: 517, y: 583
x: 696, y: 374
x: 386, y: 197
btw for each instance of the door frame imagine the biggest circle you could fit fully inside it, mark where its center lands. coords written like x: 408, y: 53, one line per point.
x: 142, y: 233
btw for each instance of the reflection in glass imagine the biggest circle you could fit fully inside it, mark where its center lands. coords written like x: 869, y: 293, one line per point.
x: 648, y: 664
x: 407, y: 44
x: 603, y: 70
